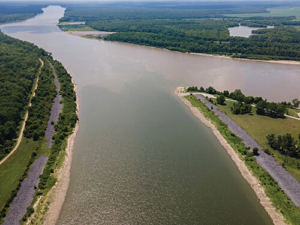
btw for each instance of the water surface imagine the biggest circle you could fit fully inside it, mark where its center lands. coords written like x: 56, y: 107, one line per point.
x: 140, y: 155
x: 243, y: 31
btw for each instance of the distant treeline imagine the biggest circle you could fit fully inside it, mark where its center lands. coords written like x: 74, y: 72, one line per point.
x: 18, y: 11
x: 200, y: 28
x: 19, y: 65
x: 157, y: 11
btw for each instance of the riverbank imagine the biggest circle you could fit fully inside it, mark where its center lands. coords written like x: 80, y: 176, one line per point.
x: 286, y: 62
x: 58, y: 193
x: 276, y: 217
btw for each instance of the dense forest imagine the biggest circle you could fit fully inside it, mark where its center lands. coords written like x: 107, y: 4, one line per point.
x: 19, y: 65
x: 200, y: 28
x: 18, y: 11
x: 39, y: 112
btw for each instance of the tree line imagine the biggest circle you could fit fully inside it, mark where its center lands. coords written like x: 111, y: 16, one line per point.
x: 286, y: 144
x: 244, y: 103
x: 39, y: 112
x: 19, y: 65
x: 10, y: 12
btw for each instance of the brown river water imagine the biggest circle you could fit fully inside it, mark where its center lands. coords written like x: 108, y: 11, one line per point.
x: 140, y: 156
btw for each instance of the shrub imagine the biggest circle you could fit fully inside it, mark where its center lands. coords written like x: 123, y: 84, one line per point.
x: 255, y: 151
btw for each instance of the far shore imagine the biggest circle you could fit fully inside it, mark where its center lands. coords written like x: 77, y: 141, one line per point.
x: 265, y: 201
x: 287, y: 62
x: 58, y: 194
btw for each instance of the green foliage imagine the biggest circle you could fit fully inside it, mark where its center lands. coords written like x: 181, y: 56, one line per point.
x: 39, y: 112
x: 19, y: 66
x: 286, y: 144
x: 156, y: 10
x: 255, y: 151
x: 14, y: 192
x: 193, y: 27
x: 273, y: 191
x: 65, y: 125
x: 271, y: 109
x: 19, y: 11
x: 296, y: 102
x: 241, y: 108
x: 221, y: 100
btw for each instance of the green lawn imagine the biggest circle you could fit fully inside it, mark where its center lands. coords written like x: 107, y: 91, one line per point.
x: 277, y: 11
x: 294, y: 112
x: 13, y: 168
x: 259, y: 127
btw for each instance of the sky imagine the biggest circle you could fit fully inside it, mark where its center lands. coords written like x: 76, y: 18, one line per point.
x: 148, y: 1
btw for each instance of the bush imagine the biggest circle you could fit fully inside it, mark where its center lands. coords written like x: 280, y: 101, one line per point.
x: 255, y: 151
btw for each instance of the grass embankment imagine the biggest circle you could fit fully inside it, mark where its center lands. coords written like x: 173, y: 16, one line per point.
x: 74, y: 27
x: 273, y: 191
x: 294, y: 112
x: 12, y: 169
x: 258, y: 127
x: 64, y: 127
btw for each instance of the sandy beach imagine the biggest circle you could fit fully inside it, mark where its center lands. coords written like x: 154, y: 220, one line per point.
x: 276, y: 217
x: 59, y: 191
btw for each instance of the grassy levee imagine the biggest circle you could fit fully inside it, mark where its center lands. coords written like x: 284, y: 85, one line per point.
x: 258, y: 127
x: 64, y: 128
x: 15, y: 168
x: 273, y: 191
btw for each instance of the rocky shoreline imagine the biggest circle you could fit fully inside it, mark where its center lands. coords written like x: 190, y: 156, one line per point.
x: 285, y: 180
x: 276, y: 217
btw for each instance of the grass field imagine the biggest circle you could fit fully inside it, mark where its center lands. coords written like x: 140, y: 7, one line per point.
x: 13, y: 168
x: 294, y: 112
x: 277, y: 11
x: 259, y: 127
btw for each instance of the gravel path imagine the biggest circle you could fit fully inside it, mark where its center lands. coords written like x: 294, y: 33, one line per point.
x: 25, y: 196
x: 55, y: 111
x: 285, y: 180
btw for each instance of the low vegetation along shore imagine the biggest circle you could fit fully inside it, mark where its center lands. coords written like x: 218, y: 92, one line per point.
x: 30, y: 84
x: 277, y: 204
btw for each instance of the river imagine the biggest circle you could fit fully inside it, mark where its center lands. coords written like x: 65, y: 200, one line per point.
x: 140, y: 156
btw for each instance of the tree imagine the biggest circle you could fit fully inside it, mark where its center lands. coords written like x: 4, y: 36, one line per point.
x: 248, y: 100
x: 226, y: 93
x: 260, y: 107
x: 257, y: 99
x: 210, y: 90
x: 296, y: 102
x: 272, y: 141
x: 240, y: 97
x: 255, y: 151
x: 221, y: 100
